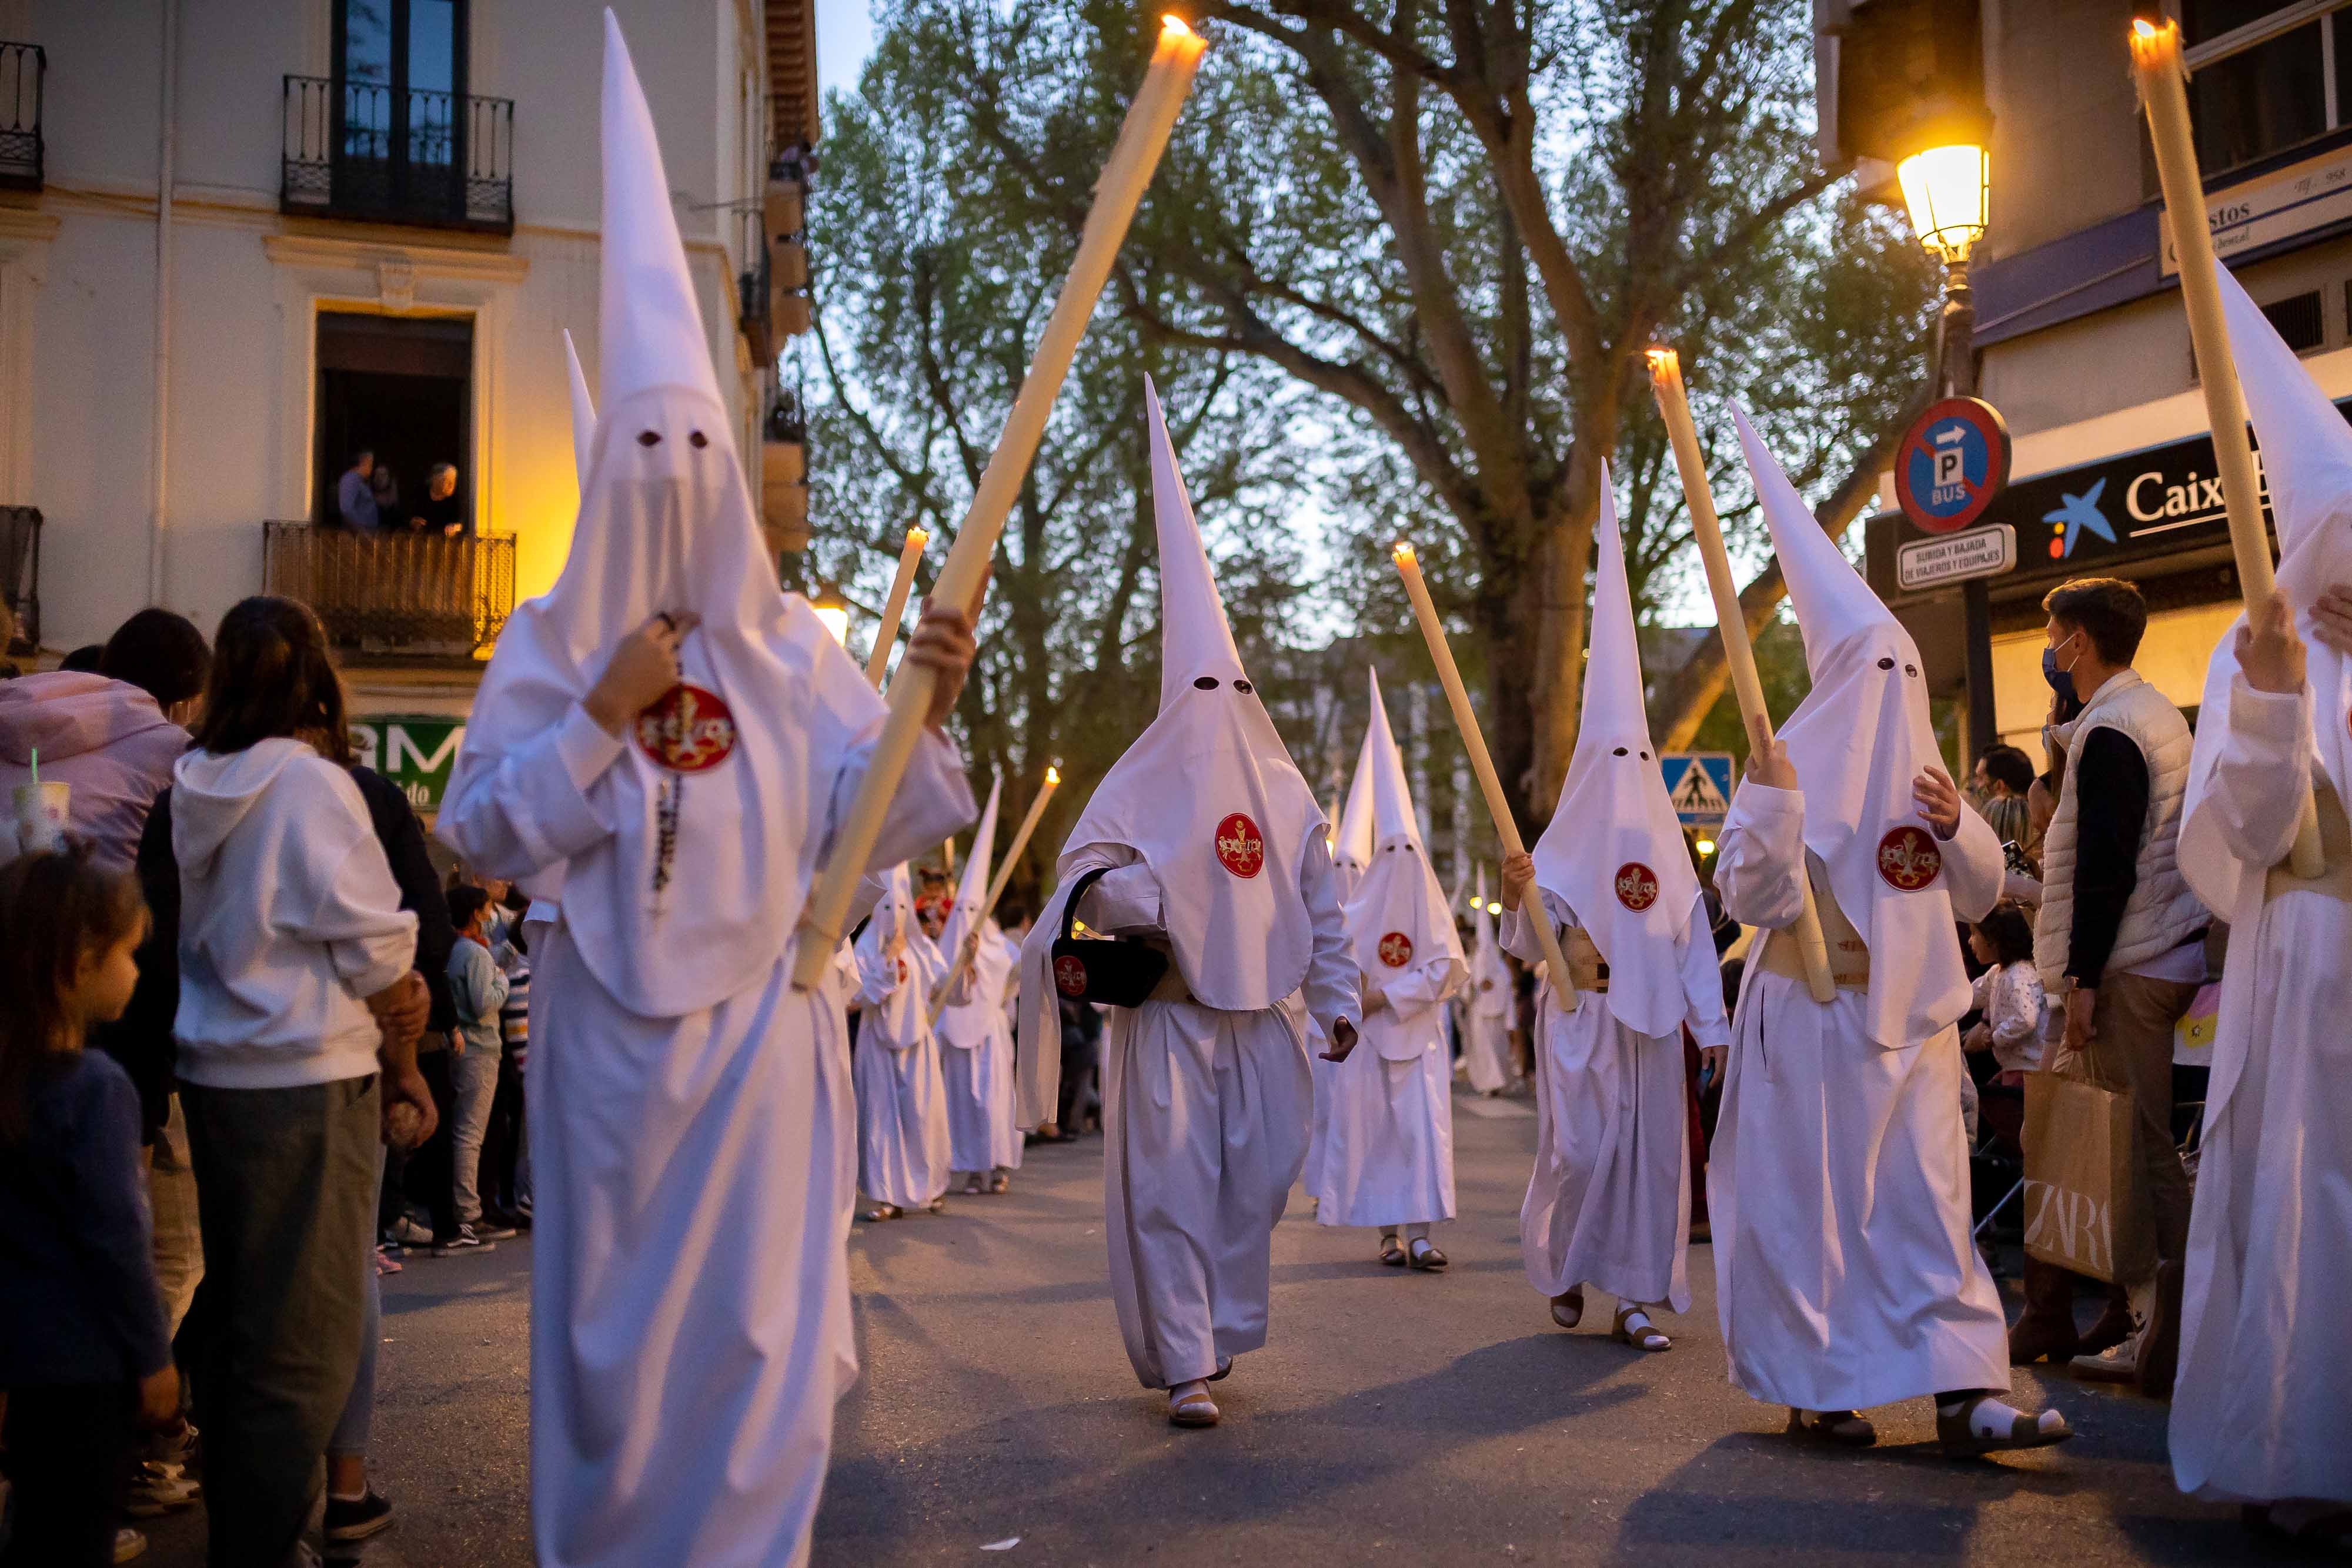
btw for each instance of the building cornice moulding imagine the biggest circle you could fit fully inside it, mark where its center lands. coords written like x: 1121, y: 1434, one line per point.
x: 373, y: 255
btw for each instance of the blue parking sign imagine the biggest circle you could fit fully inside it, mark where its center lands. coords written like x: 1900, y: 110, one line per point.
x: 1699, y: 784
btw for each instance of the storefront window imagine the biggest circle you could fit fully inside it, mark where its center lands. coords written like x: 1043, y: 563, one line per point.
x: 2266, y: 78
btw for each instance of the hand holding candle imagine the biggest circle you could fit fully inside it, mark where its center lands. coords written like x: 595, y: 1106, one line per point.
x: 1141, y: 138
x: 1739, y: 652
x: 894, y: 608
x: 1475, y: 742
x: 2163, y: 92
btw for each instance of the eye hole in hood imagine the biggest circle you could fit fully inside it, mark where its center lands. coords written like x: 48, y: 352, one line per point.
x: 1204, y: 682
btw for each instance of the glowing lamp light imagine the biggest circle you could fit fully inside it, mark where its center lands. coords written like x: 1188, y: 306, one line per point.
x: 834, y: 610
x: 1945, y: 188
x: 1706, y: 846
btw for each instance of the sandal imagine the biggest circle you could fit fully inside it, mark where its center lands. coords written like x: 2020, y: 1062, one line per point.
x: 882, y: 1211
x: 1426, y: 1258
x: 1644, y: 1335
x: 1393, y: 1252
x: 1960, y: 1440
x: 1000, y: 1182
x: 938, y: 1205
x: 972, y: 1187
x: 1189, y: 1404
x: 1567, y: 1308
x: 1846, y: 1428
x: 1224, y: 1370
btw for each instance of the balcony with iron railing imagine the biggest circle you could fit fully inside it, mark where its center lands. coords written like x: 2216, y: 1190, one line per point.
x: 362, y: 151
x: 23, y: 70
x: 395, y: 597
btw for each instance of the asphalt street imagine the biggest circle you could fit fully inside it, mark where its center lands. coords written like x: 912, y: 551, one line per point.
x: 1393, y: 1417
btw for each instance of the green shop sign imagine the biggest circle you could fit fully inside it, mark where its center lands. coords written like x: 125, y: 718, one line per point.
x: 414, y: 750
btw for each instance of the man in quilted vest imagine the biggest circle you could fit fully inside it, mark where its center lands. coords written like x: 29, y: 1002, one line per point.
x: 2121, y: 939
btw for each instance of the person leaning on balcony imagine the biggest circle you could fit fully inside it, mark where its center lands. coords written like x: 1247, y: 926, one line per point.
x: 355, y: 493
x: 440, y: 512
x: 2120, y: 945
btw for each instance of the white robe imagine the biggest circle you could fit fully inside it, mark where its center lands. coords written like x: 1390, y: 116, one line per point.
x: 976, y: 1056
x: 902, y: 1119
x: 694, y: 1176
x: 1387, y: 1138
x: 2265, y: 1378
x: 1845, y: 1273
x: 1608, y: 1202
x: 1487, y: 1029
x: 1205, y: 1122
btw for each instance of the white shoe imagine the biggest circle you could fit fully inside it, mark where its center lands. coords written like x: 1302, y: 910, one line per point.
x: 129, y: 1544
x: 2117, y: 1363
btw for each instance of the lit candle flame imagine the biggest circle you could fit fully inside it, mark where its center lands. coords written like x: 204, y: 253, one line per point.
x: 2143, y: 27
x: 1172, y: 23
x: 918, y: 537
x: 1053, y: 776
x: 1403, y: 553
x: 1661, y: 359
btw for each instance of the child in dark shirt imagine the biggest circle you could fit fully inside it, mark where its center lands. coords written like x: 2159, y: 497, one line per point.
x: 84, y: 1352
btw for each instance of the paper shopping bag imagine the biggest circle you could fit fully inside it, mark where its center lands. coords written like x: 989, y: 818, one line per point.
x: 2077, y: 1173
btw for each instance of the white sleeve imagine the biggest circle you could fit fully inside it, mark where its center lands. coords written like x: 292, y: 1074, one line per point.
x: 1760, y: 867
x: 335, y: 886
x: 1974, y: 866
x: 535, y: 809
x: 1516, y: 935
x: 934, y: 798
x: 2016, y: 1012
x: 1333, y: 988
x: 1702, y: 983
x: 2262, y: 776
x: 1125, y: 903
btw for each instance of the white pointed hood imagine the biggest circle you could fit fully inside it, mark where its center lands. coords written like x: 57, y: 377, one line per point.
x: 1858, y: 739
x: 1490, y: 976
x: 1614, y: 850
x: 1397, y: 917
x: 1208, y: 794
x: 972, y: 891
x: 902, y: 1018
x: 1353, y: 851
x: 697, y: 887
x: 583, y: 412
x: 2306, y: 467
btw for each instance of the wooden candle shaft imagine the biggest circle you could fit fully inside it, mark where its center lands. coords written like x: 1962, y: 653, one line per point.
x: 894, y: 609
x: 2156, y: 61
x: 1141, y: 138
x: 995, y: 891
x: 1731, y: 622
x: 1473, y: 741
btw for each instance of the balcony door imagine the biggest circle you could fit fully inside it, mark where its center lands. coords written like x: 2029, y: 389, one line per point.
x: 402, y: 388
x: 400, y: 106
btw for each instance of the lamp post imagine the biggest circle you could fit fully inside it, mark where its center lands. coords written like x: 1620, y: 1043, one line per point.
x: 1946, y: 189
x: 832, y: 609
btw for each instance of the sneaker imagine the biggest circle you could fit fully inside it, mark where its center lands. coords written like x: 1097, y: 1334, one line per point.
x: 406, y: 1232
x: 129, y: 1544
x: 155, y: 1492
x: 2117, y: 1363
x: 385, y: 1263
x: 465, y: 1240
x: 358, y: 1518
x: 489, y: 1228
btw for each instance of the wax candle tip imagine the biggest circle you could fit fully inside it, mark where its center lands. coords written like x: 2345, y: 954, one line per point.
x: 1053, y: 776
x: 1172, y: 23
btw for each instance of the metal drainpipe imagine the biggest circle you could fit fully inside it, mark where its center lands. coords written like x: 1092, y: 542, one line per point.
x: 167, y: 141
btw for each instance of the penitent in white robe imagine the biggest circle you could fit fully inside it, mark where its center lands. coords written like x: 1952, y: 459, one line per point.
x: 1845, y: 1274
x: 694, y: 1176
x: 1608, y: 1202
x: 1204, y: 1129
x: 1388, y: 1137
x: 902, y: 1119
x: 2265, y: 1379
x: 1486, y: 1006
x: 976, y: 1057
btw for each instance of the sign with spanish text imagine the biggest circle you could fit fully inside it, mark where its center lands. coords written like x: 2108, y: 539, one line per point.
x: 1956, y: 557
x: 2270, y: 207
x: 414, y: 750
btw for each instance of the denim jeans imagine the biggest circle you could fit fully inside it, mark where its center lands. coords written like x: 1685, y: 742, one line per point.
x: 475, y: 1077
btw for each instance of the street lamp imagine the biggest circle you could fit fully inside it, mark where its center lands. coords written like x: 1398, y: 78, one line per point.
x: 1946, y: 189
x: 832, y: 609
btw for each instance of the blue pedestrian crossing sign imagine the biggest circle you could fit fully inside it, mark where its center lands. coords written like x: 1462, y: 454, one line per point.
x: 1699, y: 784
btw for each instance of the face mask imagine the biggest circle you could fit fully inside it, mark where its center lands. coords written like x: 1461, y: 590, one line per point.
x: 2061, y: 681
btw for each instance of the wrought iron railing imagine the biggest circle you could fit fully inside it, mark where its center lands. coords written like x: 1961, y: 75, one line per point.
x: 20, y: 575
x: 23, y: 68
x: 360, y: 150
x: 394, y: 594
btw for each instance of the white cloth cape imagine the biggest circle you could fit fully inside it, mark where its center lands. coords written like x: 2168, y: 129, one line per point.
x: 902, y: 1125
x: 2266, y: 1373
x: 1845, y: 1273
x: 1486, y: 1016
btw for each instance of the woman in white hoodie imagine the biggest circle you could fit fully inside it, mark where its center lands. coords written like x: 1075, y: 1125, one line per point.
x: 295, y: 991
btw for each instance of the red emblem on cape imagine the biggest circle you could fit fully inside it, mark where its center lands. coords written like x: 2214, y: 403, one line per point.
x: 1637, y: 886
x: 902, y: 968
x: 1396, y: 949
x: 1908, y: 859
x: 1241, y: 848
x: 688, y: 731
x: 1070, y: 976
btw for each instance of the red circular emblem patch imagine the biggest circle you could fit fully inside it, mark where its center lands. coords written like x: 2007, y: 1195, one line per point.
x: 1908, y: 859
x: 1241, y: 848
x: 902, y: 970
x: 1070, y: 976
x: 688, y: 731
x: 1637, y: 886
x: 1396, y: 949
